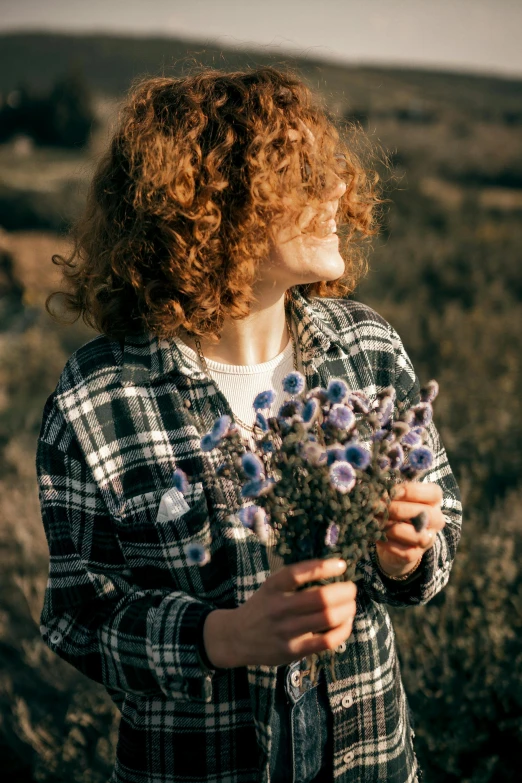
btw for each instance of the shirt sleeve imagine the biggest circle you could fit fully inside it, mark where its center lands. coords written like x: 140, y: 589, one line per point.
x: 433, y: 573
x: 129, y: 639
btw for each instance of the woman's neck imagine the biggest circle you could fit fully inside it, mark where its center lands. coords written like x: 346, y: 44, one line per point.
x: 259, y: 337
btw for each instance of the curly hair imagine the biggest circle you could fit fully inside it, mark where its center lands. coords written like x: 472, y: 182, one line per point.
x: 182, y: 206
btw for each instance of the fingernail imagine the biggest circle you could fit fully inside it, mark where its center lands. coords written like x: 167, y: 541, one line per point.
x: 341, y: 565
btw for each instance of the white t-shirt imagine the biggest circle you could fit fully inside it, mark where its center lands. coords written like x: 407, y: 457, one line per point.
x: 240, y: 383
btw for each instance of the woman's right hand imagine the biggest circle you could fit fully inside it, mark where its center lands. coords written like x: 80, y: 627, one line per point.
x: 280, y: 624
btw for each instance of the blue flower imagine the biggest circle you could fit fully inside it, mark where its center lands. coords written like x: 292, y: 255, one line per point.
x: 334, y: 454
x: 341, y: 416
x: 319, y: 394
x: 421, y: 458
x: 337, y: 390
x: 196, y: 554
x: 264, y: 399
x: 180, y: 481
x: 252, y: 465
x: 293, y: 383
x: 221, y: 427
x: 252, y: 488
x: 332, y: 535
x: 342, y: 476
x: 357, y: 456
x: 267, y: 446
x: 207, y: 442
x: 310, y: 410
x: 412, y: 438
x: 379, y: 435
x: 261, y: 422
x: 247, y: 514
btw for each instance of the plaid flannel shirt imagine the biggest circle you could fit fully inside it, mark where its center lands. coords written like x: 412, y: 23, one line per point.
x: 122, y: 604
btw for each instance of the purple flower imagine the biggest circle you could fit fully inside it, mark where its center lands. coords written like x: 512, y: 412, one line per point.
x: 180, y: 481
x: 421, y: 458
x: 293, y: 383
x: 257, y: 487
x: 337, y: 390
x: 207, y: 442
x: 423, y: 413
x: 247, y: 514
x: 341, y: 416
x: 334, y: 454
x: 380, y: 435
x: 357, y: 456
x: 252, y: 465
x: 342, y: 476
x: 196, y: 554
x: 264, y: 399
x: 310, y: 411
x: 429, y: 391
x: 385, y: 410
x: 396, y: 456
x: 261, y: 422
x: 313, y: 453
x: 221, y: 427
x: 412, y: 438
x: 332, y: 535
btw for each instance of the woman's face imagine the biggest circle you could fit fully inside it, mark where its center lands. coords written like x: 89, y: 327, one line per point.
x: 298, y: 257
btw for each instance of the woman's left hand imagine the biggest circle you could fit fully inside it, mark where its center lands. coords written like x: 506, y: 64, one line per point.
x: 405, y: 546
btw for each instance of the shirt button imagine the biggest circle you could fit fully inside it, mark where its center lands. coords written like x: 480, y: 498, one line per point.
x: 349, y: 757
x: 295, y: 679
x: 56, y: 637
x: 341, y: 647
x: 347, y: 700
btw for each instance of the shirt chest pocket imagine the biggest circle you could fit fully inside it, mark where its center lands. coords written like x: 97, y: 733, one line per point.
x: 157, y: 530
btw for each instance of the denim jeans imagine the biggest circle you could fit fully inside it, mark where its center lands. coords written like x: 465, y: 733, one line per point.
x: 302, y: 736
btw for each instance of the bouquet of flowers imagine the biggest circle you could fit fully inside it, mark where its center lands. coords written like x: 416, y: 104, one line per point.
x: 320, y: 479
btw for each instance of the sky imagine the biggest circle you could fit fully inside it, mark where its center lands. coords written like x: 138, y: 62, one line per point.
x: 461, y: 35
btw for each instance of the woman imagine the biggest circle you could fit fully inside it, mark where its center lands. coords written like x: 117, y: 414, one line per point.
x: 208, y: 260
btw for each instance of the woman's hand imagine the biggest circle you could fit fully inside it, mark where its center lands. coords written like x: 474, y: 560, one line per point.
x: 405, y: 545
x: 279, y: 624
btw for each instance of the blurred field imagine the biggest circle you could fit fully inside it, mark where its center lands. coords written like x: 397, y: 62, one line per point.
x: 445, y: 272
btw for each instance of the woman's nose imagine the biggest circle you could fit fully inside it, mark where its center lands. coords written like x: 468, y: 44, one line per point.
x: 337, y: 190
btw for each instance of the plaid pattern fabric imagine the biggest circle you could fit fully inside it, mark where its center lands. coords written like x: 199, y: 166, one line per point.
x: 122, y: 604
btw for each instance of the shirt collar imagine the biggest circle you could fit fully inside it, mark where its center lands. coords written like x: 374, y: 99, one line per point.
x: 146, y: 357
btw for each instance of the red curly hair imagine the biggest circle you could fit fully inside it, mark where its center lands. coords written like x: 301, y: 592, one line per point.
x: 182, y: 206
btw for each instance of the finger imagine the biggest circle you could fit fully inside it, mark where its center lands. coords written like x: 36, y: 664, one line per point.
x: 418, y: 492
x: 320, y: 622
x: 315, y: 643
x: 319, y: 598
x: 291, y: 577
x: 406, y: 554
x: 401, y: 511
x: 405, y: 534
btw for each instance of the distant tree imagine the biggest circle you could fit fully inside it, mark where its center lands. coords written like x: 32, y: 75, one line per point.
x: 62, y: 118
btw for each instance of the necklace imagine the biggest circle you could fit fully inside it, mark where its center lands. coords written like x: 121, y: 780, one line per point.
x: 203, y: 362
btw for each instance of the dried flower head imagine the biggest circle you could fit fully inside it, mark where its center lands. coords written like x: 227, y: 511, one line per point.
x: 180, y: 481
x: 220, y: 428
x: 196, y: 554
x: 264, y: 399
x: 341, y: 416
x: 421, y: 458
x: 342, y: 476
x: 293, y: 383
x: 252, y: 466
x: 357, y: 456
x: 337, y: 390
